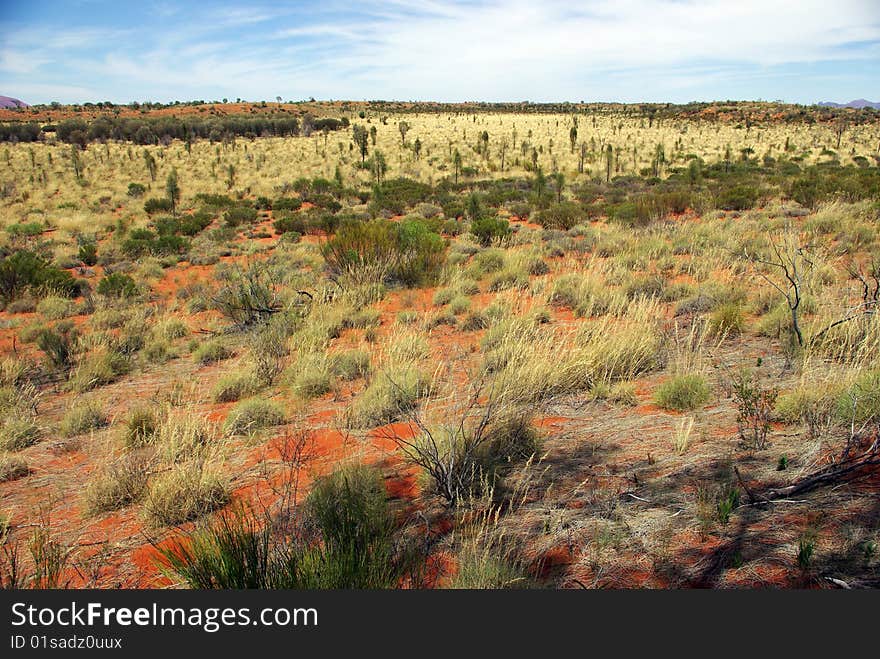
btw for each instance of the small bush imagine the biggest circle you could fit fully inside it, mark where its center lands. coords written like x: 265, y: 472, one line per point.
x: 683, y: 392
x: 252, y: 415
x: 157, y: 205
x: 565, y: 216
x: 232, y: 388
x: 81, y: 418
x: 490, y: 229
x: 18, y: 432
x: 391, y: 393
x: 117, y: 285
x: 23, y: 270
x: 350, y: 365
x: 120, y: 483
x: 186, y: 492
x: 211, y: 352
x: 141, y: 425
x: 12, y: 468
x: 59, y: 346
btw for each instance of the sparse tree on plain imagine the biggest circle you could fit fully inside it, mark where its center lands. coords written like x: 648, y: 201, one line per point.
x: 361, y: 139
x: 150, y: 161
x: 172, y: 189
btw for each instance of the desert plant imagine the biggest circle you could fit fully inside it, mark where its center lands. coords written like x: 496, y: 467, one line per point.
x: 12, y: 467
x: 187, y: 491
x: 82, y: 417
x: 121, y: 481
x: 683, y: 392
x: 211, y: 352
x: 754, y: 404
x: 252, y: 415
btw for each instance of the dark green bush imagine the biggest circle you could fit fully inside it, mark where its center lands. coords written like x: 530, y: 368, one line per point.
x: 488, y: 229
x: 737, y: 198
x: 348, y: 542
x: 117, y: 285
x: 563, y: 216
x: 237, y: 215
x: 23, y: 270
x: 381, y: 250
x: 157, y: 204
x: 88, y: 253
x: 287, y: 204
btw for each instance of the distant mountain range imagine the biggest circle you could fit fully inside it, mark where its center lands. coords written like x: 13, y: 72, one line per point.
x: 858, y: 104
x: 8, y: 103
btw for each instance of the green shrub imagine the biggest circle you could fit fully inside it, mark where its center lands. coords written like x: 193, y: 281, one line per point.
x: 59, y: 344
x: 683, y: 392
x: 24, y: 270
x: 117, y: 285
x: 380, y: 250
x: 563, y: 216
x: 157, y: 204
x: 490, y: 229
x: 737, y: 198
x: 238, y: 215
x: 353, y: 544
x: 88, y: 253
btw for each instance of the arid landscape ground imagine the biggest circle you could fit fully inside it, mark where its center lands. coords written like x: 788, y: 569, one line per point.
x: 366, y: 345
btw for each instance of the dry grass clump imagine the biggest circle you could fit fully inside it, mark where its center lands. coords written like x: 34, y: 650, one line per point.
x: 254, y: 414
x: 310, y: 376
x: 18, y: 432
x: 12, y: 467
x: 185, y: 492
x: 683, y: 392
x: 82, y: 417
x: 119, y: 482
x: 623, y: 346
x: 141, y: 425
x: 234, y: 387
x: 393, y: 390
x: 350, y: 364
x: 182, y: 434
x: 97, y: 369
x: 211, y: 352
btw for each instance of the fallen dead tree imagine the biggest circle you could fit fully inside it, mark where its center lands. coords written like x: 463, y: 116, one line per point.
x: 853, y: 463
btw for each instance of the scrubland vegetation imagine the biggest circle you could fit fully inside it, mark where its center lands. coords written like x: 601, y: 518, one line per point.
x: 385, y: 346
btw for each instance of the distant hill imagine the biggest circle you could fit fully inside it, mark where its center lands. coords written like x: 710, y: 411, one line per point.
x: 858, y: 104
x: 8, y: 103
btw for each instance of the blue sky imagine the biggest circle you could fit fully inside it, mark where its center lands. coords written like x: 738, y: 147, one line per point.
x: 494, y: 50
